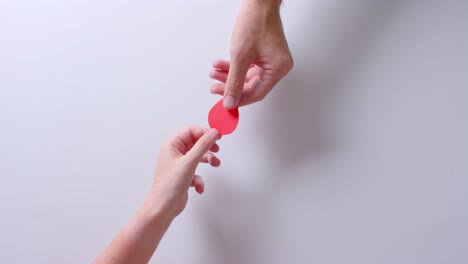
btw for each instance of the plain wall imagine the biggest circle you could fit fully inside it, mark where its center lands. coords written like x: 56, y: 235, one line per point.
x: 358, y: 156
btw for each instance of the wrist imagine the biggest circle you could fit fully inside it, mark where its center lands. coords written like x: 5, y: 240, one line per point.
x: 262, y: 11
x: 269, y: 5
x: 154, y: 212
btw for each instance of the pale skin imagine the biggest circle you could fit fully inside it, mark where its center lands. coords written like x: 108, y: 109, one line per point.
x: 260, y: 55
x: 260, y: 58
x: 175, y: 174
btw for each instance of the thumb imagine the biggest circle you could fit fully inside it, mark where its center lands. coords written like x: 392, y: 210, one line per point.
x: 203, y: 145
x: 235, y: 83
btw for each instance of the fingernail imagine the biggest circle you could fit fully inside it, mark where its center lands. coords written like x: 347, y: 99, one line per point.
x: 213, y: 133
x: 229, y: 102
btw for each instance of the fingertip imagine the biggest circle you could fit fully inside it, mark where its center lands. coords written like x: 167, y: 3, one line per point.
x: 214, y: 73
x: 221, y: 64
x: 215, y: 162
x: 200, y: 188
x: 213, y: 133
x: 217, y: 88
x: 214, y: 148
x: 229, y: 102
x: 198, y: 184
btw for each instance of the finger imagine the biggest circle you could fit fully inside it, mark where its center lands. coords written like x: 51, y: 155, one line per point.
x: 202, y: 145
x: 218, y: 75
x: 256, y: 91
x: 252, y: 72
x: 214, y: 148
x: 221, y: 76
x: 206, y: 157
x: 222, y: 65
x: 198, y: 183
x: 217, y: 88
x: 235, y: 82
x: 214, y: 161
x: 185, y: 138
x: 211, y: 159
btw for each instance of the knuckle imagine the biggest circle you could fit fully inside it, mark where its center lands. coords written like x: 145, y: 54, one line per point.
x: 286, y: 63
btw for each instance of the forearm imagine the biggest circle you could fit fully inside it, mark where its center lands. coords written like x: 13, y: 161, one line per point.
x: 267, y: 5
x: 138, y: 240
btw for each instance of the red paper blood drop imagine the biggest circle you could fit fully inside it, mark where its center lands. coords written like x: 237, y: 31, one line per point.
x: 225, y: 121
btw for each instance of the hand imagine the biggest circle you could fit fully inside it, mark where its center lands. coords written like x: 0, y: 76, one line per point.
x: 260, y: 56
x: 175, y: 173
x: 175, y: 170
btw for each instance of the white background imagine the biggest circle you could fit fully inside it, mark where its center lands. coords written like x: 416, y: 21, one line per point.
x: 358, y: 156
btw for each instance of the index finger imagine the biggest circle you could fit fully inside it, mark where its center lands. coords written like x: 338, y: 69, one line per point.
x: 235, y: 82
x: 185, y: 138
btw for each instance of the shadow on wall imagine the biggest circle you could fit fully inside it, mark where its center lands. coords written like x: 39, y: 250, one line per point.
x: 304, y: 122
x: 325, y: 48
x: 234, y: 226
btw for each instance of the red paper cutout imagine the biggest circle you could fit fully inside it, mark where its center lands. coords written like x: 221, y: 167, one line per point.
x: 225, y: 121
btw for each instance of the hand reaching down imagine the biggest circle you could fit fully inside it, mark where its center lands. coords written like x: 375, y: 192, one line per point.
x: 260, y: 55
